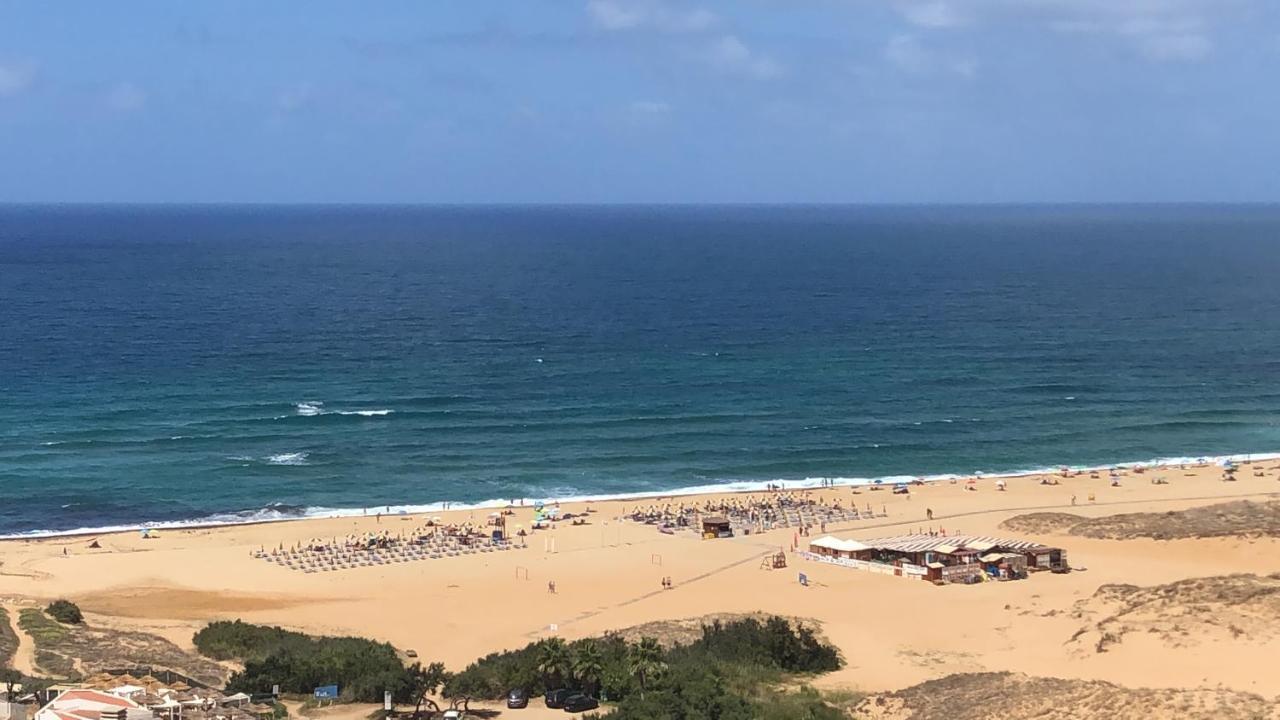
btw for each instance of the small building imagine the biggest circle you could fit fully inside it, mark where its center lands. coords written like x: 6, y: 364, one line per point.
x: 1004, y: 565
x: 1047, y: 558
x: 941, y: 558
x: 715, y: 526
x: 830, y: 546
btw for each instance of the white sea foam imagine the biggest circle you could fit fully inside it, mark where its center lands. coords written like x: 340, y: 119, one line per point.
x: 278, y: 513
x: 312, y: 408
x: 293, y: 458
x: 309, y: 408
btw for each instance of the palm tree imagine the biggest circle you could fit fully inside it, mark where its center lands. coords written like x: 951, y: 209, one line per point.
x: 588, y: 664
x: 644, y: 660
x: 553, y: 661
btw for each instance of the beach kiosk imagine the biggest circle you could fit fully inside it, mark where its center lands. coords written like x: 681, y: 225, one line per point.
x: 715, y: 526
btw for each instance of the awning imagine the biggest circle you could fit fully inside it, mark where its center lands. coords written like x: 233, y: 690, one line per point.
x: 834, y: 543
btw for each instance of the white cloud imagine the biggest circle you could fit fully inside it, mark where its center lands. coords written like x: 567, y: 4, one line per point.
x: 1173, y: 46
x: 930, y: 14
x: 908, y: 54
x: 730, y: 54
x: 622, y: 15
x: 16, y: 77
x: 1157, y: 29
x: 291, y: 99
x: 126, y: 97
x: 650, y: 107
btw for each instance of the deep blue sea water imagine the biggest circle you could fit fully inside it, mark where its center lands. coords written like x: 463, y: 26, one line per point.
x: 178, y: 363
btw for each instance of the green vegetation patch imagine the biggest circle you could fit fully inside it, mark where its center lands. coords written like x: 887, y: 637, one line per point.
x: 8, y: 640
x: 727, y: 673
x: 362, y: 669
x: 61, y: 649
x: 43, y: 629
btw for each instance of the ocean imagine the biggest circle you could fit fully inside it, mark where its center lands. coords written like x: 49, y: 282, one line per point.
x: 171, y: 365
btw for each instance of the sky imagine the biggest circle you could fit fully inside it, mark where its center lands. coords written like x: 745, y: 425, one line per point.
x: 633, y: 101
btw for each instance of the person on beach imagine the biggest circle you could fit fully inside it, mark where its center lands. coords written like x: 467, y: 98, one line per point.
x: 551, y: 586
x: 928, y: 512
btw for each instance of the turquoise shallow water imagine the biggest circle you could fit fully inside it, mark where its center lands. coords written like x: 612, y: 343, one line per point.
x: 171, y: 364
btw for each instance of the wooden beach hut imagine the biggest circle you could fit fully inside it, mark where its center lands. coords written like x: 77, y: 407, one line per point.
x: 716, y: 526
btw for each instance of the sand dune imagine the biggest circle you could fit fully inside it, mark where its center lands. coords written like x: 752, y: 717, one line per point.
x: 1242, y: 518
x: 1184, y: 613
x: 1012, y: 696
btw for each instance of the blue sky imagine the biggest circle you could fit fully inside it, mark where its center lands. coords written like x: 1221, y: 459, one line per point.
x: 640, y: 101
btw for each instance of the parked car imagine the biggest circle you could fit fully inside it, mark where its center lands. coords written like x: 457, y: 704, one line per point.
x: 578, y: 702
x: 518, y: 698
x: 556, y: 698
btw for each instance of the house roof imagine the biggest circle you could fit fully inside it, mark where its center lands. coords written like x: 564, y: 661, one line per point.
x: 948, y: 543
x: 84, y: 697
x: 84, y: 704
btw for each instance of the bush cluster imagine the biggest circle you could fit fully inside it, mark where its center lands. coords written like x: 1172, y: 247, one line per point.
x: 719, y: 676
x: 65, y: 612
x: 725, y: 674
x: 362, y: 669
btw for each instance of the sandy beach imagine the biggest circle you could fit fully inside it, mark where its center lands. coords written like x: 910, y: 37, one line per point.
x: 608, y: 575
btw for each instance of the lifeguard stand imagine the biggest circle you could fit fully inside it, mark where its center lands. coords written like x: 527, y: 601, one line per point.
x: 774, y: 561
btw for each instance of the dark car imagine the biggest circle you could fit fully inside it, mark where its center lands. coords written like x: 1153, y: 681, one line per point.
x: 556, y: 698
x: 518, y: 698
x: 580, y: 703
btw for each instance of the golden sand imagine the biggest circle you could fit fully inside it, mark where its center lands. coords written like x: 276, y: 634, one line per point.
x: 893, y: 632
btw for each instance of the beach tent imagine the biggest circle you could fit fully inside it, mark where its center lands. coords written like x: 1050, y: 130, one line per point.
x: 123, y: 690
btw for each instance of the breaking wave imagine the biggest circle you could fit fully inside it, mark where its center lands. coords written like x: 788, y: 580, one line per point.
x: 277, y: 512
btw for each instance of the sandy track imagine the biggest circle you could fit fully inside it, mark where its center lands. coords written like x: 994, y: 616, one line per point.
x: 24, y: 659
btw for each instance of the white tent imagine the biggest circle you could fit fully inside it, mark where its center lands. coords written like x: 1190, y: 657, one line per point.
x: 830, y: 542
x: 126, y: 690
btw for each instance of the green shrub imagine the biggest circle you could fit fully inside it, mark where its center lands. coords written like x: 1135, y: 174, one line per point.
x: 362, y: 669
x: 724, y: 675
x: 65, y: 612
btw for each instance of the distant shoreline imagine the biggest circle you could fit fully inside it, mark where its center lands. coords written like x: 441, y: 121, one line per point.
x: 267, y: 516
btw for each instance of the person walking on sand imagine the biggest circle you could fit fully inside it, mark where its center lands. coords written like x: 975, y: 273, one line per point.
x: 928, y: 512
x: 1073, y: 499
x: 551, y: 586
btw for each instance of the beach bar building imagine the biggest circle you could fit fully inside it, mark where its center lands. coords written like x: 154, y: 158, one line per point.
x: 939, y: 558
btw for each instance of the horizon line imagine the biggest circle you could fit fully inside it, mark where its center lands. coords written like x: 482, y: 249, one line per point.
x: 637, y: 204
